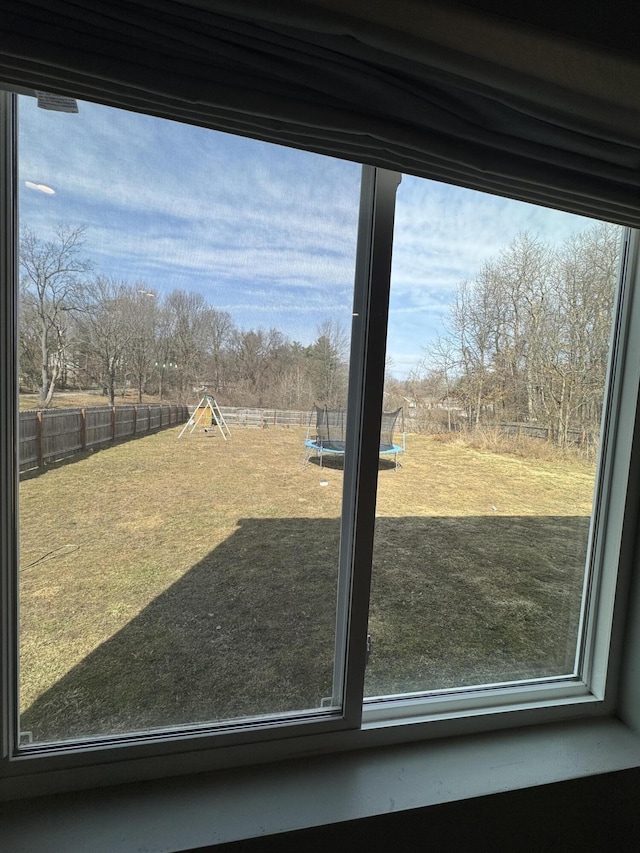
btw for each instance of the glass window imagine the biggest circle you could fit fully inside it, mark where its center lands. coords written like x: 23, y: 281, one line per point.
x: 497, y: 353
x: 185, y: 299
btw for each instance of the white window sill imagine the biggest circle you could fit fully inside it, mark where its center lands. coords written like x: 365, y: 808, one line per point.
x: 214, y: 808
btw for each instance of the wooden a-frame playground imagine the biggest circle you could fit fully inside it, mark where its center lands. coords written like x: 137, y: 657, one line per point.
x: 208, y: 415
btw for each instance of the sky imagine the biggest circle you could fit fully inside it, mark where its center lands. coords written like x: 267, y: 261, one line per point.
x: 264, y: 232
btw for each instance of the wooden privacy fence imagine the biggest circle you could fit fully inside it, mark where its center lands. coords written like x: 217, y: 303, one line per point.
x: 53, y: 434
x: 261, y: 418
x: 242, y: 416
x: 579, y: 437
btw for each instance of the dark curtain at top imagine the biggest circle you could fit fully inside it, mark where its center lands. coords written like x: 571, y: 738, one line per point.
x: 435, y: 90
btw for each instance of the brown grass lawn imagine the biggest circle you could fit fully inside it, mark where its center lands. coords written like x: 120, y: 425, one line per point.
x: 80, y: 399
x: 167, y: 582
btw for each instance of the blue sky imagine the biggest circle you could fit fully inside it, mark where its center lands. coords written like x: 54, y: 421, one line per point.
x: 264, y: 232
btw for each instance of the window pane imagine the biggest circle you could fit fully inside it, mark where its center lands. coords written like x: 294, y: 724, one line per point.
x: 498, y: 342
x: 172, y: 576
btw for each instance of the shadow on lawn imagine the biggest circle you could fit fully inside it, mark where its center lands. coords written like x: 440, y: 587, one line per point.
x: 250, y: 628
x: 336, y: 462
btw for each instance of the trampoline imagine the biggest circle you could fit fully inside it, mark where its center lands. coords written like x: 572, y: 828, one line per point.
x: 327, y: 432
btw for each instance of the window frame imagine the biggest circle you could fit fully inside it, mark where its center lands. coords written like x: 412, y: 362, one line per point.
x: 372, y: 271
x: 594, y: 680
x: 140, y: 756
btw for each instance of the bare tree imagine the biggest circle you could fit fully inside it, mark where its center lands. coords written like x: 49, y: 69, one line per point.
x: 29, y: 337
x: 444, y: 365
x: 109, y: 322
x: 531, y: 332
x: 142, y: 345
x: 186, y: 339
x: 524, y: 275
x: 52, y: 287
x: 471, y: 323
x: 260, y: 361
x: 579, y: 330
x: 219, y: 334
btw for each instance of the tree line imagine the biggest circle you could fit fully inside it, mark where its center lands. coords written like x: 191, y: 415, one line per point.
x: 80, y: 329
x: 527, y: 339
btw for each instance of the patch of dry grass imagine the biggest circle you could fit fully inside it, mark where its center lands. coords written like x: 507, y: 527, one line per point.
x: 82, y: 399
x: 168, y: 582
x: 493, y: 440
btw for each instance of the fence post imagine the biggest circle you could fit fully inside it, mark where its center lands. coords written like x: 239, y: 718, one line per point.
x: 83, y: 429
x: 135, y: 420
x: 39, y: 440
x: 149, y: 422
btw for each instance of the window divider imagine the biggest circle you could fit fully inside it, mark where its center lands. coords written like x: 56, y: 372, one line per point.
x: 366, y: 380
x: 8, y: 421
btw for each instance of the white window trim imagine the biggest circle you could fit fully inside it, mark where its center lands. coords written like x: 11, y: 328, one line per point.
x: 421, y: 724
x: 190, y: 812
